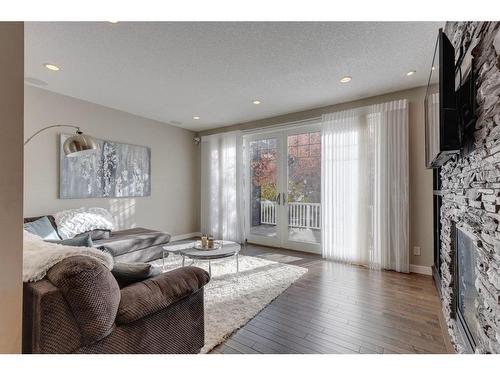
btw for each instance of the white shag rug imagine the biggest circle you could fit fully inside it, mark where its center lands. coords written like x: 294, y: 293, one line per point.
x: 231, y: 299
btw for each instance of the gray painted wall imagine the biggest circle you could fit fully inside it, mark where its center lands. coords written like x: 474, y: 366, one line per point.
x: 175, y: 194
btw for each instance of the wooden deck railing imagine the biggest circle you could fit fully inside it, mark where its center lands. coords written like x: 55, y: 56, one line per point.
x: 300, y: 215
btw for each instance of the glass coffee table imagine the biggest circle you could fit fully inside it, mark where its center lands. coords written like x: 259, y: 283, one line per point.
x: 187, y: 250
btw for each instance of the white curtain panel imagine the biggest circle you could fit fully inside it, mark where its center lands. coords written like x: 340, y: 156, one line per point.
x: 389, y: 123
x: 343, y: 162
x: 365, y: 186
x: 221, y: 198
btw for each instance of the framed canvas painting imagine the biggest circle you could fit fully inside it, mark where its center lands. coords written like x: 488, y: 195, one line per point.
x: 117, y: 170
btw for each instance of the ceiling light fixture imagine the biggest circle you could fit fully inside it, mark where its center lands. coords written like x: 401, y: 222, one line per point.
x: 256, y: 102
x: 53, y: 67
x: 411, y: 72
x: 196, y: 117
x: 113, y: 21
x: 345, y: 79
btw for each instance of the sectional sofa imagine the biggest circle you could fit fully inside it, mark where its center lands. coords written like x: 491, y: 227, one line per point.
x: 128, y: 245
x: 80, y: 308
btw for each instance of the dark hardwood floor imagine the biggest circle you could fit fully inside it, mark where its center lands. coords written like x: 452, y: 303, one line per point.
x: 336, y: 308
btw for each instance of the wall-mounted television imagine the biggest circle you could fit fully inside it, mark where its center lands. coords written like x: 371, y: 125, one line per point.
x: 466, y: 105
x: 442, y: 130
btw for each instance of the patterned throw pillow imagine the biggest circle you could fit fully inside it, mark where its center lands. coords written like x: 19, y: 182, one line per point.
x: 81, y: 220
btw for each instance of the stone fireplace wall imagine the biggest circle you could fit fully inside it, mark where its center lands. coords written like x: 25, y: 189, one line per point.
x: 471, y: 189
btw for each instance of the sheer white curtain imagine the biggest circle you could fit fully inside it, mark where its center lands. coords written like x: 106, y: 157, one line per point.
x: 389, y: 124
x: 221, y: 200
x: 364, y: 189
x: 344, y: 187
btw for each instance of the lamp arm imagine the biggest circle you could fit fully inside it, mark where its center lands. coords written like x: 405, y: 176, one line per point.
x: 48, y: 127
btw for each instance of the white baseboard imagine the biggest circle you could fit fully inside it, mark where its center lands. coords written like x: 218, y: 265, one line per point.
x: 180, y: 237
x: 415, y: 268
x: 424, y: 270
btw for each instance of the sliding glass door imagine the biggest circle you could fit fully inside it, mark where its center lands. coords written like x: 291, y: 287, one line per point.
x: 284, y: 189
x: 303, y: 190
x: 264, y: 188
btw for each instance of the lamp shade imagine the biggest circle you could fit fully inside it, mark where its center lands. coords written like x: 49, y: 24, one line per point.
x: 79, y: 144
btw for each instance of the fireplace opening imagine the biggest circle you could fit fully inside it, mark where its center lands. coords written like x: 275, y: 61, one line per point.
x: 466, y: 292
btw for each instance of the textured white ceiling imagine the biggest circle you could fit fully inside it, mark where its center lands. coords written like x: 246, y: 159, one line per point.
x: 173, y: 71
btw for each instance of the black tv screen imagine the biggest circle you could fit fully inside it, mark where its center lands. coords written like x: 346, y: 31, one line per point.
x: 432, y: 115
x: 442, y: 131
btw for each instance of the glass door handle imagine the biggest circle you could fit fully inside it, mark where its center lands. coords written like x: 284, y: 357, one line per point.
x: 278, y: 198
x: 284, y: 199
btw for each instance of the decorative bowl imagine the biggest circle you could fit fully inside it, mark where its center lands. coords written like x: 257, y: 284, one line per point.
x: 197, y: 246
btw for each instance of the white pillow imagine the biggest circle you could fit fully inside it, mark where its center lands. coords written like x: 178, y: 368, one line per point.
x: 81, y: 220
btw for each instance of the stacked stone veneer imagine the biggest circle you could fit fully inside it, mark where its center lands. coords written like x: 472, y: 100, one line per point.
x: 471, y: 189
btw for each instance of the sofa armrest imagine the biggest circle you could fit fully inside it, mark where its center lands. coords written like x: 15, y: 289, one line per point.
x: 48, y: 323
x: 157, y: 293
x: 91, y: 292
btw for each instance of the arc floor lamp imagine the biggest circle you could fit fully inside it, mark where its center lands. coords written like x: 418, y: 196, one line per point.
x: 76, y: 145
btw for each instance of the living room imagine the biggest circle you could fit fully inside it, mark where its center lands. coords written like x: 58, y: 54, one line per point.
x: 301, y: 187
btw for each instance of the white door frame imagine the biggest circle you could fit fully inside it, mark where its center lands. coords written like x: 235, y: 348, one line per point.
x: 281, y: 239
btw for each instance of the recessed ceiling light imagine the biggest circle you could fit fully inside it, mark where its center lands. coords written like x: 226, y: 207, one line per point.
x: 196, y: 117
x: 256, y: 102
x: 346, y: 79
x: 113, y: 21
x: 53, y: 67
x: 433, y: 68
x: 411, y: 72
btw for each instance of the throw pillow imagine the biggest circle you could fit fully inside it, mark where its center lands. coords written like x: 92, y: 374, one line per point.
x: 96, y: 234
x: 81, y: 220
x: 42, y: 228
x: 80, y: 241
x: 129, y: 273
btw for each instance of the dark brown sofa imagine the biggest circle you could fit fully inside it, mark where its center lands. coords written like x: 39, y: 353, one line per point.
x: 79, y: 308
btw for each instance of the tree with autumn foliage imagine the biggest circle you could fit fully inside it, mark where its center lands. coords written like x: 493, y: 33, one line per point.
x: 304, y: 169
x: 264, y: 173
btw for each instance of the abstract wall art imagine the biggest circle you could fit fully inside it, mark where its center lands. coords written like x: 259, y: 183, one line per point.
x: 117, y: 170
